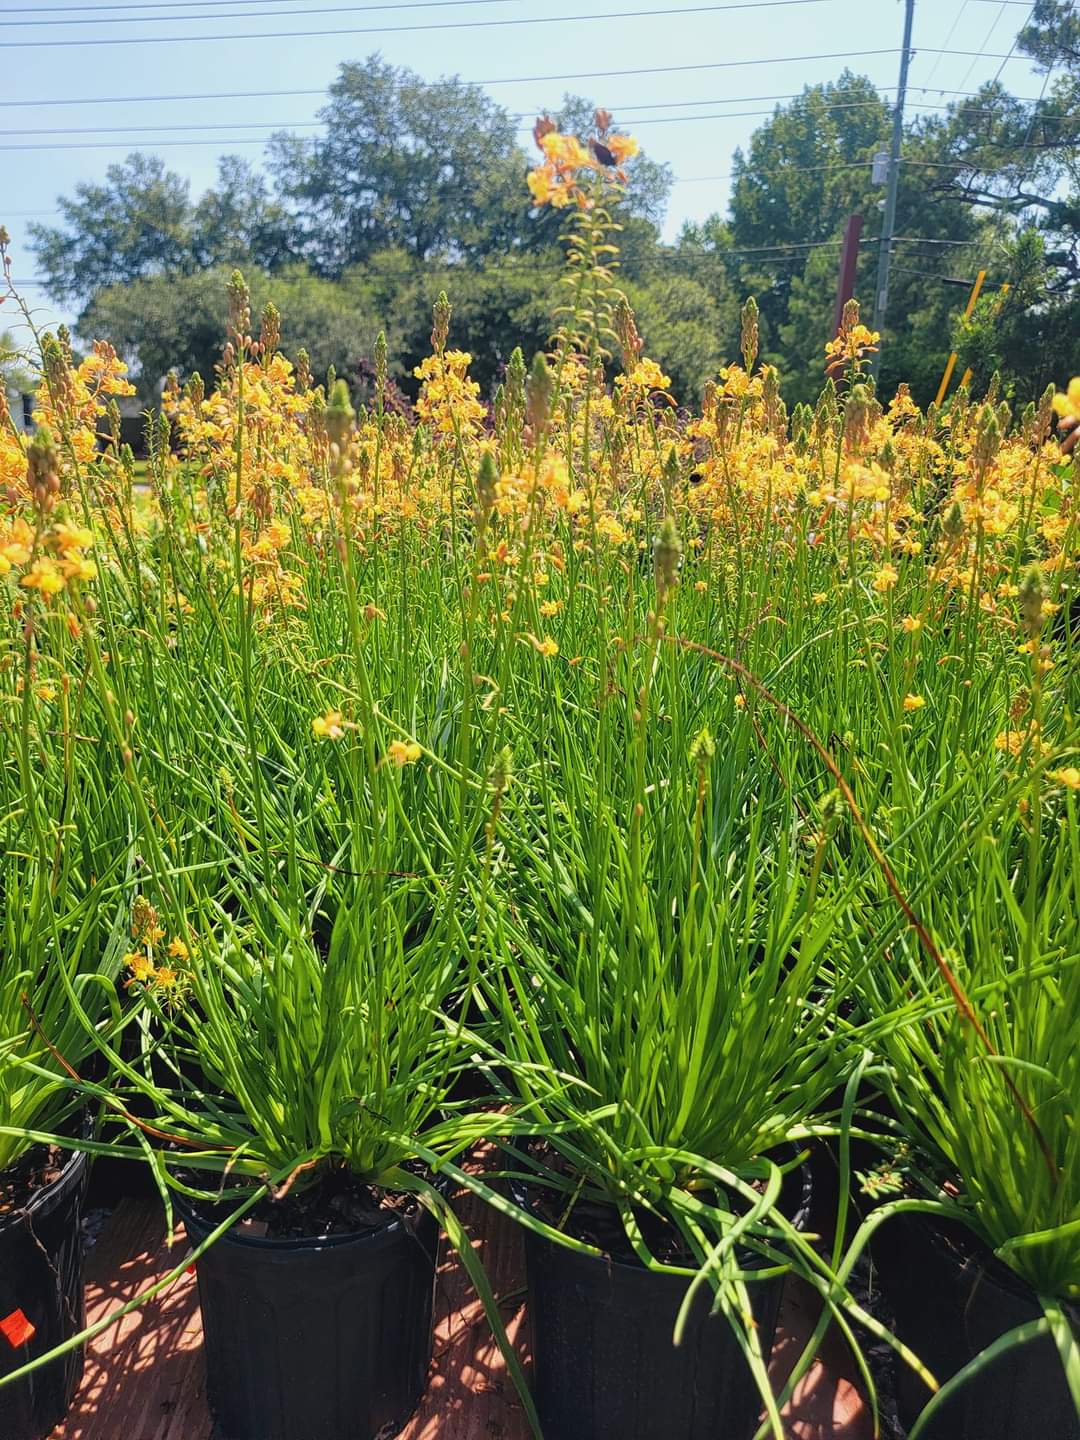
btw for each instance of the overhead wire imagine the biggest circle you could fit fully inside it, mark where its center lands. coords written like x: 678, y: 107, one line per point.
x: 287, y: 125
x: 517, y: 20
x: 948, y: 38
x: 986, y: 41
x: 1012, y: 47
x: 194, y: 4
x: 328, y: 10
x: 523, y: 80
x: 529, y: 80
x: 502, y: 80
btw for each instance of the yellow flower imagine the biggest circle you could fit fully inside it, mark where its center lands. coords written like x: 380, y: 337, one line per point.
x: 550, y: 607
x: 328, y: 726
x: 178, y: 950
x: 885, y: 579
x: 819, y: 597
x: 403, y: 753
x: 566, y: 151
x: 914, y: 702
x: 140, y: 966
x: 546, y: 647
x: 17, y: 544
x: 77, y: 567
x: 911, y: 623
x: 71, y: 537
x: 45, y: 691
x: 539, y: 182
x: 1070, y: 776
x: 1014, y: 742
x: 647, y: 375
x: 1068, y: 405
x: 623, y: 147
x: 44, y: 576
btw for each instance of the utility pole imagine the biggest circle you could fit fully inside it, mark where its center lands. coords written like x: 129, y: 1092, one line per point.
x: 849, y: 257
x: 888, y: 225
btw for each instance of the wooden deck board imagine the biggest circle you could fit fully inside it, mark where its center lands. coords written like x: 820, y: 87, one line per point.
x: 144, y: 1377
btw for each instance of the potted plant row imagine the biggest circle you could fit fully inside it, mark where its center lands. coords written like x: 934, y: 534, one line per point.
x: 976, y: 1244
x: 316, y: 888
x: 59, y: 943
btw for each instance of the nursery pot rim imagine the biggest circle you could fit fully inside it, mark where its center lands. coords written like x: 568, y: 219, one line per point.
x: 382, y: 1233
x: 972, y: 1250
x: 47, y: 1195
x: 520, y: 1190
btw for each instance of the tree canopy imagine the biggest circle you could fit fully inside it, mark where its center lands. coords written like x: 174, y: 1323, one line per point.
x: 413, y: 186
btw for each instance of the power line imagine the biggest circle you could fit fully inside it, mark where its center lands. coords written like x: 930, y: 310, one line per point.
x: 986, y: 41
x: 529, y: 80
x: 948, y: 38
x: 634, y: 120
x: 228, y: 15
x: 514, y: 79
x: 411, y: 29
x: 1012, y: 47
x: 304, y: 12
x: 793, y: 251
x: 193, y: 4
x: 302, y: 124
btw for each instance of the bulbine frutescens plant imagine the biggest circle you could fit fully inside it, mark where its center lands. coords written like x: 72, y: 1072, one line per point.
x: 65, y: 844
x: 669, y: 954
x: 978, y: 1036
x: 410, y: 740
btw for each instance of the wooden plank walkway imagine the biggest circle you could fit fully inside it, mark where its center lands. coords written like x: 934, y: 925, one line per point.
x: 144, y: 1376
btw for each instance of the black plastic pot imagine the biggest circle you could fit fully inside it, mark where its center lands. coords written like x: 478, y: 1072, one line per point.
x: 42, y: 1303
x: 605, y: 1365
x: 327, y: 1338
x: 951, y: 1299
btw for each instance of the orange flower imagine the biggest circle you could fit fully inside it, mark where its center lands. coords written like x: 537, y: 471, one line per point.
x: 328, y: 726
x: 403, y: 752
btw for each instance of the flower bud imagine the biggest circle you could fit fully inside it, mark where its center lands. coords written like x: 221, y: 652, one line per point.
x: 239, y: 307
x: 748, y: 342
x: 1032, y: 595
x: 440, y: 329
x: 702, y: 748
x: 339, y: 414
x: 538, y: 395
x: 667, y: 552
x: 270, y: 333
x: 953, y: 526
x: 486, y: 479
x: 380, y: 369
x: 303, y: 372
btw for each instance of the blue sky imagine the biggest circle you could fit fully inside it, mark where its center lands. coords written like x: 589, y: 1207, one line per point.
x: 97, y: 64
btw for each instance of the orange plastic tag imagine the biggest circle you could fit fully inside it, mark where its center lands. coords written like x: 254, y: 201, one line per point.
x: 16, y: 1329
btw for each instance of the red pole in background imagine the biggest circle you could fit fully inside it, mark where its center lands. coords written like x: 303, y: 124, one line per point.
x: 845, y: 287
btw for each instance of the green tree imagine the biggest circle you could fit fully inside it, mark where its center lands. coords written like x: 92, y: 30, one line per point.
x: 141, y: 222
x: 687, y: 328
x: 237, y: 222
x: 1030, y: 341
x: 136, y: 223
x: 1021, y: 159
x: 15, y: 372
x: 432, y: 169
x: 805, y: 171
x: 177, y: 322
